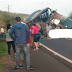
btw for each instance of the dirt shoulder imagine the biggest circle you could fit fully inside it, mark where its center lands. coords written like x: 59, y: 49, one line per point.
x: 8, y: 63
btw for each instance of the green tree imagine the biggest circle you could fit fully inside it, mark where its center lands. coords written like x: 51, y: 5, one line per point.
x: 8, y: 17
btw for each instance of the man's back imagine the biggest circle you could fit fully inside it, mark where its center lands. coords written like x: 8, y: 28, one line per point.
x: 19, y: 31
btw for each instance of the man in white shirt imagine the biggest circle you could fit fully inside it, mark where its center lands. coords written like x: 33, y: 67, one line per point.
x: 48, y: 28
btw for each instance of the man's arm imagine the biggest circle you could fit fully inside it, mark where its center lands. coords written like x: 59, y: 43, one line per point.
x: 11, y: 32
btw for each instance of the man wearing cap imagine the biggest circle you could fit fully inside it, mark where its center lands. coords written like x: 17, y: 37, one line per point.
x: 18, y: 34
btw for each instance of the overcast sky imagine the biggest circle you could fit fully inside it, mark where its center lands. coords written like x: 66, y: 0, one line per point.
x: 63, y: 7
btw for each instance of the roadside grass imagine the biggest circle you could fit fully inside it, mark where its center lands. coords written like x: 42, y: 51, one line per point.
x: 3, y: 52
x: 2, y: 67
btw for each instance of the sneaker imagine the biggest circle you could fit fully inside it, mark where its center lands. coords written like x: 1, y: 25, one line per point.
x: 21, y: 66
x: 16, y: 68
x: 36, y: 49
x: 30, y: 68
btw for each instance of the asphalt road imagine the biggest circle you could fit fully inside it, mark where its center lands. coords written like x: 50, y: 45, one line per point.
x: 62, y: 46
x: 43, y: 62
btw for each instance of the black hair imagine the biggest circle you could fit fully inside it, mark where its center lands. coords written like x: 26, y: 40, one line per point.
x: 8, y: 26
x: 34, y: 24
x: 48, y: 24
x: 18, y: 19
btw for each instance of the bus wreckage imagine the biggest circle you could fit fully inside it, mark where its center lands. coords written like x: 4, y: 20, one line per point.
x: 50, y: 16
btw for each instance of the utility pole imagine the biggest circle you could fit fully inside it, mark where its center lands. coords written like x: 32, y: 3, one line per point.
x: 8, y: 8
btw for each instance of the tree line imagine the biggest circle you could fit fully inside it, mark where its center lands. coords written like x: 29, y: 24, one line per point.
x: 8, y: 17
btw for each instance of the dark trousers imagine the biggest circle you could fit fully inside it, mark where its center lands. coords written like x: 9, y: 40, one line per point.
x: 9, y: 46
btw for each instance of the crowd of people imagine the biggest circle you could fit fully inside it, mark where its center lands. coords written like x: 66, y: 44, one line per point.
x: 21, y: 38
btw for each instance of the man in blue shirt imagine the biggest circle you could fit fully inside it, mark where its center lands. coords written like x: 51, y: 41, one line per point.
x: 18, y: 34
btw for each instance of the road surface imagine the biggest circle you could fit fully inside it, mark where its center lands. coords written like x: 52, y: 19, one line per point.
x: 62, y: 46
x: 43, y: 62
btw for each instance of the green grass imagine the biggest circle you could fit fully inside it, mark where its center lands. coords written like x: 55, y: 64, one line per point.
x: 3, y: 49
x: 3, y: 52
x: 2, y: 67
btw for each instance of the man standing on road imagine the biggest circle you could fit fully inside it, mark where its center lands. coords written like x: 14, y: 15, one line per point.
x: 18, y: 34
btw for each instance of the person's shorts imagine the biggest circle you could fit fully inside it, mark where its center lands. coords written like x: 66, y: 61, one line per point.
x: 36, y: 37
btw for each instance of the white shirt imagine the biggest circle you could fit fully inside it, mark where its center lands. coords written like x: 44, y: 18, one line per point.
x: 48, y: 28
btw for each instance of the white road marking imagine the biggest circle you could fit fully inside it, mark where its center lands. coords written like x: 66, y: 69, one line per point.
x: 55, y: 53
